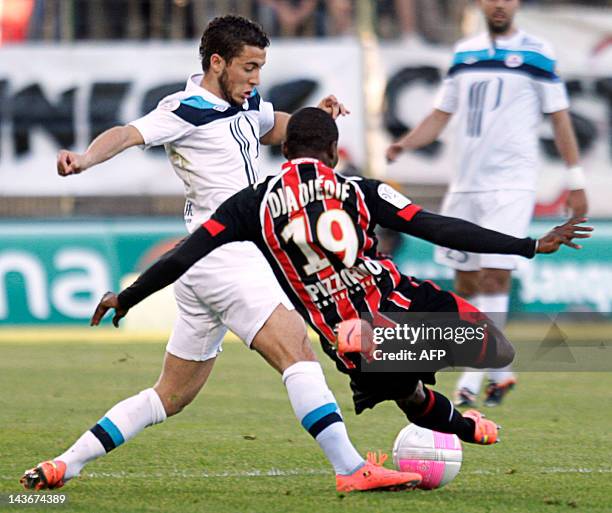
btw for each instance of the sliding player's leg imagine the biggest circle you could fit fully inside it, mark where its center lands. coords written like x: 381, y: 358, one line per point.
x: 421, y: 405
x: 432, y: 410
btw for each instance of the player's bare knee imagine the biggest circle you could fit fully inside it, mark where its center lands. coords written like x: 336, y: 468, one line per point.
x: 173, y: 402
x: 495, y: 281
x: 467, y: 283
x: 283, y: 341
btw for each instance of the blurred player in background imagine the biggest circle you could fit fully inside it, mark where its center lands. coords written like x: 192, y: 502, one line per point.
x: 211, y: 132
x: 316, y: 229
x: 499, y: 84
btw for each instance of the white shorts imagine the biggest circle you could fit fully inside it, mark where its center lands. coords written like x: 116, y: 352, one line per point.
x: 506, y: 211
x: 231, y: 288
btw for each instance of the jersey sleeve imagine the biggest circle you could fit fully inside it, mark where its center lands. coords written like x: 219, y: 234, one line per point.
x: 233, y: 221
x: 266, y: 117
x: 447, y: 97
x: 549, y: 87
x: 553, y: 96
x: 161, y: 125
x: 391, y: 209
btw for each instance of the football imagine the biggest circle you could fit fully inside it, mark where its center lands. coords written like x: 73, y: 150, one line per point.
x: 436, y: 456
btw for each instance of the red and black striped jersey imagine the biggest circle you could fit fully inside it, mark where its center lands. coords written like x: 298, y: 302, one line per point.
x: 316, y: 229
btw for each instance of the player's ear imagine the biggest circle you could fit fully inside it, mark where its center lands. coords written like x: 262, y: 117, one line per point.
x: 285, y: 150
x: 216, y: 63
x: 332, y: 152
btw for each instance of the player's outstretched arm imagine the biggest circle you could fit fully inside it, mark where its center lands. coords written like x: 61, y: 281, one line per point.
x: 391, y: 209
x: 105, y: 146
x: 398, y: 213
x: 426, y: 132
x: 461, y: 235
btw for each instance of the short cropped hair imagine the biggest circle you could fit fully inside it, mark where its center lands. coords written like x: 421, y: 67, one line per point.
x: 227, y: 35
x: 310, y: 130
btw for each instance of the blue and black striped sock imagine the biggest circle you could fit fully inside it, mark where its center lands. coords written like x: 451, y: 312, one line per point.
x: 315, y: 407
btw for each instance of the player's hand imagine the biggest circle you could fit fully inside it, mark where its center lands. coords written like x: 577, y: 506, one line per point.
x: 70, y: 163
x: 333, y: 107
x: 355, y: 336
x: 394, y: 151
x: 576, y: 203
x: 108, y: 301
x: 563, y: 235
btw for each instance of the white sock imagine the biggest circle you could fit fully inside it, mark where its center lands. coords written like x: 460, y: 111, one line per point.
x: 501, y: 375
x: 121, y: 423
x: 315, y: 407
x: 496, y: 307
x: 472, y: 380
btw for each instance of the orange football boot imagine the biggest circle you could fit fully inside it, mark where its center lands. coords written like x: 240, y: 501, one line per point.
x: 47, y: 475
x: 373, y: 476
x: 485, y: 432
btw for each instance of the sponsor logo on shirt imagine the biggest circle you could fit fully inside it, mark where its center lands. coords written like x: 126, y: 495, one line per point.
x: 514, y: 60
x: 390, y: 195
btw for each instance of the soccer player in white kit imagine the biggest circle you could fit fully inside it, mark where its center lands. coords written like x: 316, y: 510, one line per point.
x: 498, y: 86
x: 212, y: 131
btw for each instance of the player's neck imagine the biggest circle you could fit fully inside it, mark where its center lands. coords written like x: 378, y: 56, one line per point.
x: 211, y: 84
x: 321, y: 157
x: 511, y: 31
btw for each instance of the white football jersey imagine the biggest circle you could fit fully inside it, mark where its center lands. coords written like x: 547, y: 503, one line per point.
x: 498, y: 91
x: 212, y: 146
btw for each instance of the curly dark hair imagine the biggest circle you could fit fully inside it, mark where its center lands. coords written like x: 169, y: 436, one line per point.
x: 226, y: 36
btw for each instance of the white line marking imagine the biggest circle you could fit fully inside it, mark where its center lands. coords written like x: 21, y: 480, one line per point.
x: 276, y: 472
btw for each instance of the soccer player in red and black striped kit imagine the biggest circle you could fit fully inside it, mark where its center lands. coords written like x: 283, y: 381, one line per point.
x: 316, y: 229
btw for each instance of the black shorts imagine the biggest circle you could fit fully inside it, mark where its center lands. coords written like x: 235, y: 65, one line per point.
x: 371, y: 388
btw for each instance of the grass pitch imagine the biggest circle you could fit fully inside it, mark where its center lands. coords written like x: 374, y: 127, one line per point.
x: 238, y: 447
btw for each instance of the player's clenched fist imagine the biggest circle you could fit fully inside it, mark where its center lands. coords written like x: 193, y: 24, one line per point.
x: 70, y: 163
x: 393, y: 151
x: 564, y: 234
x: 108, y: 301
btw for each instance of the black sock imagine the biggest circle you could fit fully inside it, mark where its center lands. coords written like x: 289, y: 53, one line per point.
x: 437, y: 413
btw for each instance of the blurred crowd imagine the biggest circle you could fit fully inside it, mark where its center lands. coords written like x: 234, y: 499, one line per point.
x: 435, y: 21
